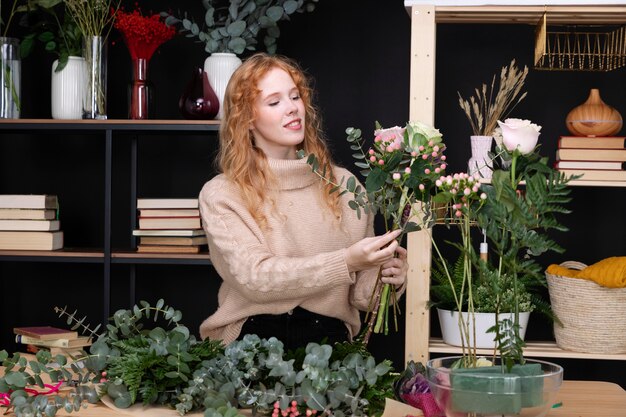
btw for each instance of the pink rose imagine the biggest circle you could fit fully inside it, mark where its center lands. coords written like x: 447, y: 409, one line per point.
x: 392, y: 136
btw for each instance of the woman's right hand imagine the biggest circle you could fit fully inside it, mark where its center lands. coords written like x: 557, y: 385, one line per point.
x: 372, y: 251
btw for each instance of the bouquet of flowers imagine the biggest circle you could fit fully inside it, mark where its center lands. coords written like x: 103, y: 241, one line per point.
x: 400, y: 168
x: 142, y: 35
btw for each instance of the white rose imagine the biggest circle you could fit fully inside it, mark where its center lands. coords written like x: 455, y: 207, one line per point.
x: 519, y: 134
x: 415, y: 129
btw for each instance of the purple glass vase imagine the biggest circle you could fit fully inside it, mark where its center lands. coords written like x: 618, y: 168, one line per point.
x: 199, y: 101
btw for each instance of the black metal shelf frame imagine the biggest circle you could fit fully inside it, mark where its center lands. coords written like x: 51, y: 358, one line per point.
x: 108, y: 128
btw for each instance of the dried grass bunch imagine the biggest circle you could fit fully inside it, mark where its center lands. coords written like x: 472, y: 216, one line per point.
x: 93, y: 17
x: 488, y: 105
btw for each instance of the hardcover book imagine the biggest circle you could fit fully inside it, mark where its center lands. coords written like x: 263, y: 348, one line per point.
x: 169, y: 213
x: 80, y: 341
x: 31, y: 240
x: 169, y: 223
x: 45, y: 332
x: 175, y: 241
x: 163, y: 203
x: 45, y: 225
x: 589, y: 165
x: 591, y: 155
x: 27, y: 214
x: 168, y: 249
x: 29, y: 201
x: 597, y: 174
x: 605, y: 142
x: 179, y: 232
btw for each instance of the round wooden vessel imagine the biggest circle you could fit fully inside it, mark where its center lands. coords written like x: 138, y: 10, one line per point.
x: 593, y: 118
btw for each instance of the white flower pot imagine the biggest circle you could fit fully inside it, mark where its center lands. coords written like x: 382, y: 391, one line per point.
x: 68, y: 89
x: 219, y: 67
x: 449, y: 322
x: 480, y: 162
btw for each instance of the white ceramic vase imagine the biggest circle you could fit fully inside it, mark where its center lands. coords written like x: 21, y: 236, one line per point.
x: 68, y: 89
x: 449, y: 322
x: 219, y: 67
x: 480, y: 162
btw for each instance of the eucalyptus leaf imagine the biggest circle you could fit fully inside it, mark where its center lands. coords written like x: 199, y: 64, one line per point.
x: 275, y: 13
x: 236, y: 28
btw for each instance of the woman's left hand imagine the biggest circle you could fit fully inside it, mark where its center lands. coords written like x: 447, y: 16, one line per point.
x: 394, y: 270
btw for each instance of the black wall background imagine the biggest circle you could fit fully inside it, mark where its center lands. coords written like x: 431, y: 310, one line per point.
x: 358, y: 53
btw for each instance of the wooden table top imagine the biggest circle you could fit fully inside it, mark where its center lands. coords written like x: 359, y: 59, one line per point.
x: 576, y: 399
x: 590, y: 399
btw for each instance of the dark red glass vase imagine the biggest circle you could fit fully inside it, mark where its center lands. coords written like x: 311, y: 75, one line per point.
x: 140, y: 91
x: 199, y: 101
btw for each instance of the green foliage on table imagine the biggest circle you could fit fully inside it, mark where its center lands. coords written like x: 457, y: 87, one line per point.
x: 169, y: 366
x: 236, y: 25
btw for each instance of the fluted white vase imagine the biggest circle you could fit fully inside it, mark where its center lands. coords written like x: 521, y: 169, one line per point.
x: 219, y: 67
x: 68, y: 89
x: 480, y: 162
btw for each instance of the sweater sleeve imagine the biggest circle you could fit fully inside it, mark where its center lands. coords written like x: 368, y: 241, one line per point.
x: 245, y: 262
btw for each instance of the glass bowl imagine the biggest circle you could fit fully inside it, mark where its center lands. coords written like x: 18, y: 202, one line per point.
x: 529, y: 390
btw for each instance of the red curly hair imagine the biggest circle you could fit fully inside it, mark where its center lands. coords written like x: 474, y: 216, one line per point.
x: 244, y: 163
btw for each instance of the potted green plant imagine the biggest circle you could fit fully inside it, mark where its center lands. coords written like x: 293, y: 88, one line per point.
x: 49, y: 24
x: 490, y: 293
x: 515, y: 211
x: 232, y: 27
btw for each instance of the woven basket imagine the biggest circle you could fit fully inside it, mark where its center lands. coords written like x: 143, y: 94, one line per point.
x: 593, y: 316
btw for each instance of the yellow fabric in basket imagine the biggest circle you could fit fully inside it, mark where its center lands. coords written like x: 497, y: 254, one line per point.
x: 609, y: 272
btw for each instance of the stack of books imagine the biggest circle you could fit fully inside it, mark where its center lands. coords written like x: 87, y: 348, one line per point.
x: 29, y: 222
x: 54, y: 339
x: 595, y: 158
x: 169, y: 225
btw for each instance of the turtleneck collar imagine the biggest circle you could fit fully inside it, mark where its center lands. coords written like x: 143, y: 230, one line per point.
x: 292, y: 174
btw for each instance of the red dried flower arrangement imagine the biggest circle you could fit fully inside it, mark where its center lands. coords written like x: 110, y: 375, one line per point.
x: 142, y: 34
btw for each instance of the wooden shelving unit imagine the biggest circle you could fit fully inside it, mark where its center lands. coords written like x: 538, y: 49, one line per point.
x: 425, y: 14
x: 111, y: 130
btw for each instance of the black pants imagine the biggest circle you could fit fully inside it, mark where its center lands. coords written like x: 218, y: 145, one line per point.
x: 297, y: 329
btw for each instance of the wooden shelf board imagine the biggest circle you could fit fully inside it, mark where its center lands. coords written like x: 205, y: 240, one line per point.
x: 110, y: 122
x: 66, y: 252
x: 137, y: 255
x: 543, y: 349
x: 577, y: 183
x: 119, y: 125
x: 557, y: 15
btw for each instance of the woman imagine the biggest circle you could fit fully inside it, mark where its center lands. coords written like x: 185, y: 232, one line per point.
x: 296, y: 261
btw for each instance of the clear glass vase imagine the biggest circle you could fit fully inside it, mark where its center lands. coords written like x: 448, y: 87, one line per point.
x: 10, y: 64
x: 95, y: 54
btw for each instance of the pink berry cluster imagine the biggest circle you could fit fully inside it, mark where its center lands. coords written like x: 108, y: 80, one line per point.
x: 464, y: 189
x: 431, y: 153
x: 291, y: 410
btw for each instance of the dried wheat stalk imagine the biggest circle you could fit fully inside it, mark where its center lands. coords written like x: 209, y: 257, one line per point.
x: 483, y: 110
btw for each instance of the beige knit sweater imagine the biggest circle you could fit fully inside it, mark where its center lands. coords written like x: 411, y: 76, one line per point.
x: 298, y: 260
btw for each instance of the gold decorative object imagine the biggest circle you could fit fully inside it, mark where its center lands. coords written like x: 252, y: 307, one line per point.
x: 593, y: 118
x: 587, y: 48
